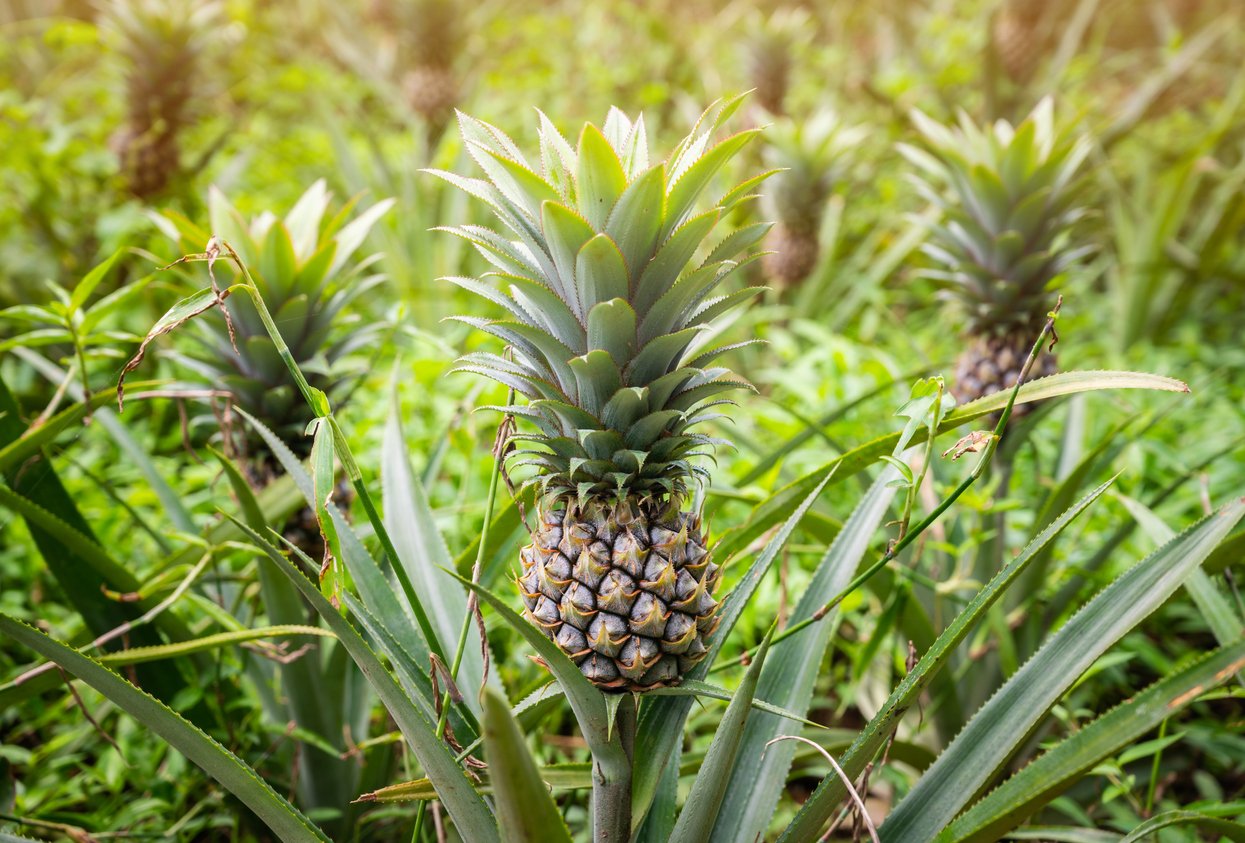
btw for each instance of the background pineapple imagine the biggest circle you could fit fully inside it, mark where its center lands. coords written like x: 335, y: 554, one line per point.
x: 433, y: 30
x: 1020, y: 37
x: 162, y: 42
x: 1009, y: 199
x: 809, y: 156
x: 606, y: 299
x: 305, y: 270
x: 769, y: 54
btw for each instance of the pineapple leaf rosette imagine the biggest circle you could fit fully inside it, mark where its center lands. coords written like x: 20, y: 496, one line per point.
x: 1011, y: 199
x: 609, y: 272
x: 307, y: 270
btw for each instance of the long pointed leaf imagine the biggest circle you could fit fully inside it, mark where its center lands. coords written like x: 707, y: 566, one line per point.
x: 1025, y: 793
x: 468, y: 810
x: 1001, y: 725
x: 709, y: 789
x: 790, y: 673
x: 526, y: 813
x: 831, y: 792
x: 234, y: 774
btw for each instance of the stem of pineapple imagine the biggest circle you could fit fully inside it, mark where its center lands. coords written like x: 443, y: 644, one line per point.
x: 611, y: 780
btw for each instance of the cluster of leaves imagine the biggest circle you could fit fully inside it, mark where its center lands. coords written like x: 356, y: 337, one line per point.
x: 930, y: 682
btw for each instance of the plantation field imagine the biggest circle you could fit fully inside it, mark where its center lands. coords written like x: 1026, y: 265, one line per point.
x: 776, y: 420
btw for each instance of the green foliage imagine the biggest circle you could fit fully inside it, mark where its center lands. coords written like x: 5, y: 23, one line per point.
x: 272, y: 597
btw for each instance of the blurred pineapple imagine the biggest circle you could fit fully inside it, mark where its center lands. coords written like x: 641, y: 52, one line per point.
x: 1009, y: 197
x: 809, y: 155
x: 306, y: 272
x: 769, y: 55
x: 163, y: 44
x: 1020, y: 38
x: 432, y: 33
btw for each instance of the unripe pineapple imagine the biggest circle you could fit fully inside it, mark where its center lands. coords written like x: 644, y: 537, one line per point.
x: 1009, y: 197
x: 608, y: 285
x: 808, y: 156
x: 162, y: 42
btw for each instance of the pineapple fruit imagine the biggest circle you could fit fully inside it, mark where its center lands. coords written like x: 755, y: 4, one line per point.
x: 1009, y: 197
x: 434, y: 33
x: 162, y: 42
x: 1020, y: 39
x: 807, y: 157
x: 607, y: 286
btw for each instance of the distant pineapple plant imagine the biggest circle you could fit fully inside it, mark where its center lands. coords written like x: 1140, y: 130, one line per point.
x: 769, y: 55
x: 432, y: 29
x: 607, y: 288
x: 162, y: 43
x: 305, y: 269
x: 1010, y: 198
x: 1020, y: 37
x: 809, y: 157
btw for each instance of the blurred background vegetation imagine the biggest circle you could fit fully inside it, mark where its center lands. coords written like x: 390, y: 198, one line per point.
x: 132, y: 130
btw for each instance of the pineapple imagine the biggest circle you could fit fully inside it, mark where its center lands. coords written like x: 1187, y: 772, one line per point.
x: 768, y: 53
x: 807, y: 156
x: 304, y: 268
x: 1010, y: 199
x: 434, y: 33
x: 1019, y: 38
x: 606, y: 298
x: 163, y: 42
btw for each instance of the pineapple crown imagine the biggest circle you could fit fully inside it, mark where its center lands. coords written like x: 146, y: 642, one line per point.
x: 1009, y: 197
x: 304, y: 268
x: 808, y: 156
x: 608, y: 305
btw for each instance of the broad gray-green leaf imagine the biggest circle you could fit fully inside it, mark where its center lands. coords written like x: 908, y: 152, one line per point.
x: 241, y: 780
x: 600, y: 179
x: 661, y: 719
x: 1025, y: 793
x: 526, y: 813
x: 790, y: 673
x: 705, y: 798
x: 424, y: 555
x: 829, y: 795
x: 468, y: 810
x: 1222, y: 619
x: 995, y: 732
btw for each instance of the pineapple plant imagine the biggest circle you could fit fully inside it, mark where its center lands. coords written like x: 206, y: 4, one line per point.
x: 808, y: 157
x: 607, y: 289
x: 768, y: 55
x: 1019, y: 38
x: 306, y: 271
x: 163, y: 44
x: 433, y: 32
x: 1010, y: 199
